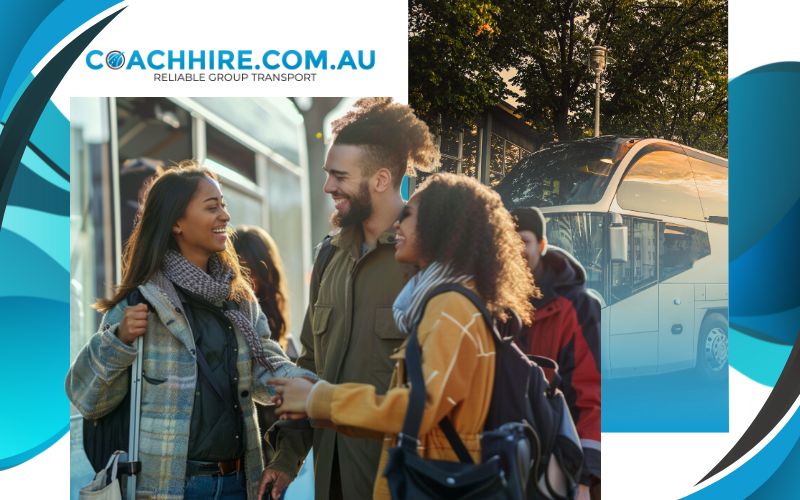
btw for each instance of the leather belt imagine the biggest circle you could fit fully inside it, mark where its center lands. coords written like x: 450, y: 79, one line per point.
x: 196, y: 468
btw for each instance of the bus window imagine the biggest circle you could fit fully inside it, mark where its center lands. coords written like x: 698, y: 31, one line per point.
x: 565, y: 174
x: 628, y: 278
x: 680, y: 247
x: 580, y: 234
x: 661, y: 183
x: 712, y: 182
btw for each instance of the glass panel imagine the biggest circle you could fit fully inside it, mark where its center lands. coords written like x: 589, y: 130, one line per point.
x: 285, y: 226
x: 580, y: 234
x: 153, y: 132
x: 496, y: 160
x: 469, y: 152
x: 449, y: 143
x: 639, y: 272
x: 244, y: 208
x: 153, y: 128
x: 681, y: 246
x: 273, y: 121
x: 563, y: 174
x: 226, y: 151
x: 712, y: 183
x: 512, y: 155
x: 92, y: 259
x: 92, y: 262
x: 661, y: 183
x: 449, y: 165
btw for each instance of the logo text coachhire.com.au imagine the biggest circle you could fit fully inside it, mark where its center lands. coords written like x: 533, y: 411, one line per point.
x: 234, y: 60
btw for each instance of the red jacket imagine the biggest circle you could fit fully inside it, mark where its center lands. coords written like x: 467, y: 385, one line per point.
x: 566, y: 328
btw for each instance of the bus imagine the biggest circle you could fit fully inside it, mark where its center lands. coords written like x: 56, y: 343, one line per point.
x: 648, y: 220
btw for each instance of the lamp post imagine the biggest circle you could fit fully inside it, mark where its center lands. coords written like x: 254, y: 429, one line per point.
x: 597, y: 63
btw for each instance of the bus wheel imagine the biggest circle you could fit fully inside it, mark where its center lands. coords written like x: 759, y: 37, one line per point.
x: 712, y: 352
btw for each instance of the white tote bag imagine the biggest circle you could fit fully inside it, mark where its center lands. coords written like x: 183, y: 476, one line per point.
x: 105, y: 485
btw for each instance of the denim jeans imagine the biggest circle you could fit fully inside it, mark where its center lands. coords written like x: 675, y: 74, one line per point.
x: 228, y: 487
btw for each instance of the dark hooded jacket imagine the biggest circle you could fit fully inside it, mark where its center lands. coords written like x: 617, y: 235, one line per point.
x: 566, y: 328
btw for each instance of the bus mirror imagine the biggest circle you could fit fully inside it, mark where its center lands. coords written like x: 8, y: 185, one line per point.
x: 618, y: 239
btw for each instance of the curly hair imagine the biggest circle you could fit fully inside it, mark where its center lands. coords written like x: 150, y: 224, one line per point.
x: 392, y: 134
x: 476, y: 237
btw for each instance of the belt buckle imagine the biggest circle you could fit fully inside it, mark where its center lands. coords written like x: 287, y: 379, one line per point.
x: 235, y: 466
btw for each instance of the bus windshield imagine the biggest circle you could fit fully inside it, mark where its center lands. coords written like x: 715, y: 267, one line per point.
x: 565, y: 174
x: 580, y: 234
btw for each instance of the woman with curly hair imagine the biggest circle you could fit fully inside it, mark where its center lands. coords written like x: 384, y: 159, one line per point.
x: 454, y: 230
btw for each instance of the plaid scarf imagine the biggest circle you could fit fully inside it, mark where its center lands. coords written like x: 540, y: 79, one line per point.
x: 215, y: 287
x: 407, y: 307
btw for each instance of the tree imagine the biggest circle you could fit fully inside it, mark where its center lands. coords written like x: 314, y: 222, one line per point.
x: 672, y: 83
x: 668, y: 78
x: 457, y: 50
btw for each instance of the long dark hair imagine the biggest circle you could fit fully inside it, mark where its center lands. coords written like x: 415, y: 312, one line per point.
x: 259, y: 257
x: 165, y: 202
x: 463, y: 223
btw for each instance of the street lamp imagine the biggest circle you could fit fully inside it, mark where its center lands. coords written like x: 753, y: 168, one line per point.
x: 597, y: 63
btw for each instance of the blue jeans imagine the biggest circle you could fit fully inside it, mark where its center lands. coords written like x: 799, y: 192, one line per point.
x: 231, y: 486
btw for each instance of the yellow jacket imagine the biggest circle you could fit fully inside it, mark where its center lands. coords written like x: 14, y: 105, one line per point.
x: 458, y: 360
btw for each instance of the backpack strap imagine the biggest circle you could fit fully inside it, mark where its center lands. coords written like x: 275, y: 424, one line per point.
x: 202, y: 363
x: 545, y: 362
x: 324, y: 255
x: 455, y: 441
x: 409, y: 438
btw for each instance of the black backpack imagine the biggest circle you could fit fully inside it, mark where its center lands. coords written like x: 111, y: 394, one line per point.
x: 522, y: 395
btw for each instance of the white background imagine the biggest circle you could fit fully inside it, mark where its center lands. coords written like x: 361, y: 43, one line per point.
x: 636, y: 466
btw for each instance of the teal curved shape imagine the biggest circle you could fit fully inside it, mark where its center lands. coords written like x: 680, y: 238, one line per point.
x: 784, y: 479
x: 746, y: 479
x: 759, y: 360
x: 16, y: 34
x: 34, y: 343
x: 51, y: 135
x: 13, y: 461
x: 37, y: 166
x: 40, y: 276
x: 48, y: 232
x: 762, y: 134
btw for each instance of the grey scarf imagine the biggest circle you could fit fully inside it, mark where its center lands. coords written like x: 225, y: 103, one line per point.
x: 214, y: 286
x: 407, y: 307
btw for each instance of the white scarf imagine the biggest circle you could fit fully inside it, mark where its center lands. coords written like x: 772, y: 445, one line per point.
x: 407, y: 307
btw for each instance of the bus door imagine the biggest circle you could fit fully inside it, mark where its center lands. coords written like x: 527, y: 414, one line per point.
x: 633, y: 305
x: 679, y: 247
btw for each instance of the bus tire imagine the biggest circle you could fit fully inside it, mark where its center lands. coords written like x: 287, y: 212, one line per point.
x: 712, y: 349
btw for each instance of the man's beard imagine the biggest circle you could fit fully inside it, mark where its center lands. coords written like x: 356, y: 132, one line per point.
x: 360, y: 208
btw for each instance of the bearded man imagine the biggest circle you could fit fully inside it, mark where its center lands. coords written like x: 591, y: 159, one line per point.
x: 349, y: 331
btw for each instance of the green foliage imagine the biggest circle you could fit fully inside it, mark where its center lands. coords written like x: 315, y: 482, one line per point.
x: 457, y: 50
x: 668, y: 77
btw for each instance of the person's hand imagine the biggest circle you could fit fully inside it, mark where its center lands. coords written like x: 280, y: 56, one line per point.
x: 275, y: 478
x: 277, y: 401
x: 583, y: 492
x: 292, y: 396
x: 133, y: 324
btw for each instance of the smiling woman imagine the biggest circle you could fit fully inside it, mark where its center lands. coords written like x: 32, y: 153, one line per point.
x: 207, y: 351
